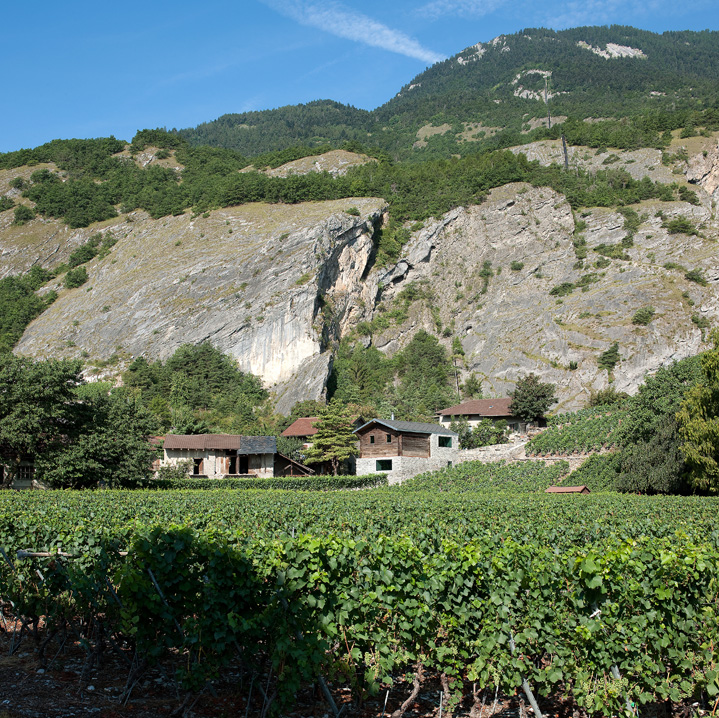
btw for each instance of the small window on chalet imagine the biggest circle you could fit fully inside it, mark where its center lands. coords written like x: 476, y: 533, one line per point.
x: 371, y: 439
x: 445, y: 441
x: 389, y: 438
x: 384, y: 465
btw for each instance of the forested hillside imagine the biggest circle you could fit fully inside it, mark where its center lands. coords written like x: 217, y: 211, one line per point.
x: 489, y: 93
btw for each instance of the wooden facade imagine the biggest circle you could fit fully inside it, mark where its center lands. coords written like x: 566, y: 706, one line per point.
x: 378, y: 441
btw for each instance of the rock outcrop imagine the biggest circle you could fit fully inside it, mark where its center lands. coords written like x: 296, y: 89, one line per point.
x: 703, y: 169
x: 267, y: 284
x: 277, y: 286
x: 489, y: 272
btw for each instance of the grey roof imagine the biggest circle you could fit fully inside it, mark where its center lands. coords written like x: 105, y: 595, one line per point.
x: 207, y: 442
x: 412, y: 427
x: 258, y: 445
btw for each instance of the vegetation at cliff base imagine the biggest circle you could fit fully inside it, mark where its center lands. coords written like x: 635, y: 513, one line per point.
x: 198, y: 390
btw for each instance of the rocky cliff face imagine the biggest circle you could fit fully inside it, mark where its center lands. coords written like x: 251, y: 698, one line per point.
x: 277, y: 286
x: 703, y: 169
x: 255, y: 281
x: 489, y: 271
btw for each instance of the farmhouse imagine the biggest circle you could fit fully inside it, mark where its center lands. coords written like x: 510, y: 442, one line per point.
x: 476, y: 410
x: 219, y: 455
x: 404, y: 448
x: 304, y: 428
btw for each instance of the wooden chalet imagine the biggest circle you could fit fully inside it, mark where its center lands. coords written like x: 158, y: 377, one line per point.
x: 404, y: 448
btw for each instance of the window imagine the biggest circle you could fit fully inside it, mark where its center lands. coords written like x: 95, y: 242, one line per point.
x: 384, y: 465
x: 25, y: 472
x: 371, y: 439
x: 445, y: 441
x: 389, y: 438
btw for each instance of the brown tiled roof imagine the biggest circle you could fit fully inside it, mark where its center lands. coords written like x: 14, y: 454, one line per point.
x: 202, y: 442
x: 302, y: 427
x: 483, y: 407
x: 233, y: 442
x: 567, y: 490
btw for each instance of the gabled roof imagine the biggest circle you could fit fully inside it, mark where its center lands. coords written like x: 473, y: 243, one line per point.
x: 411, y: 427
x: 302, y: 427
x: 483, y: 407
x: 567, y: 490
x: 231, y: 442
x: 258, y: 445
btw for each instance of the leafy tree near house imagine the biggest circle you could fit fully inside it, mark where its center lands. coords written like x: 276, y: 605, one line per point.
x: 650, y: 460
x: 37, y: 407
x: 334, y: 441
x: 111, y: 446
x: 698, y: 420
x: 77, y: 434
x: 532, y: 398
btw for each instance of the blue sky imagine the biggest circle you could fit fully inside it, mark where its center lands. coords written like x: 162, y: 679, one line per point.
x: 90, y: 69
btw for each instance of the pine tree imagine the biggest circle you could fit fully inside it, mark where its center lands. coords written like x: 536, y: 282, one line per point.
x: 334, y: 441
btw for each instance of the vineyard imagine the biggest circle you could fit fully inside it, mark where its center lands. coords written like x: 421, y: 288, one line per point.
x: 610, y: 600
x: 478, y: 477
x: 578, y: 432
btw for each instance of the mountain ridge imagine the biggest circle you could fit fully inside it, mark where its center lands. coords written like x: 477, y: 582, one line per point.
x: 475, y: 85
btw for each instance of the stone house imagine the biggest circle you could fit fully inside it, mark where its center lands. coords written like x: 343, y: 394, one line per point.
x: 219, y: 455
x: 404, y: 448
x: 476, y: 410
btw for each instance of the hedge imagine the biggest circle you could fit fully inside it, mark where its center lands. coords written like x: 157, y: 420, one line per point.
x: 288, y: 483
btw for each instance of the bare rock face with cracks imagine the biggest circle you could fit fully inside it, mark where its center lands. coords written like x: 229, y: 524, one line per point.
x: 524, y: 282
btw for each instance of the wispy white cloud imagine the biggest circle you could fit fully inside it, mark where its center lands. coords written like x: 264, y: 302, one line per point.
x: 344, y: 22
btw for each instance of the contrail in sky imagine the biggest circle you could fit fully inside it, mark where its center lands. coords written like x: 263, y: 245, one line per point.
x: 347, y: 23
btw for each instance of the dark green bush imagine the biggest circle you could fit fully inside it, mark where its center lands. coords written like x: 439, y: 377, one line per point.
x: 75, y: 278
x: 562, y: 290
x: 700, y: 321
x: 643, y: 316
x: 679, y: 225
x: 23, y: 214
x: 695, y: 275
x: 610, y: 358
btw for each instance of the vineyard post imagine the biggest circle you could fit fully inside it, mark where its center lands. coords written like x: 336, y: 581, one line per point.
x: 320, y: 679
x: 614, y: 669
x: 386, y: 697
x: 167, y: 605
x: 525, y: 686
